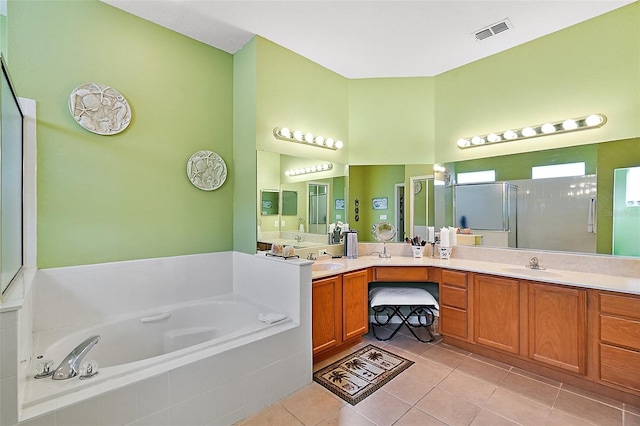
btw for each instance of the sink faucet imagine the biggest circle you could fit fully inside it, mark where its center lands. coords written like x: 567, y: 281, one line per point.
x: 533, y: 263
x: 298, y: 238
x: 71, y: 365
x: 312, y: 256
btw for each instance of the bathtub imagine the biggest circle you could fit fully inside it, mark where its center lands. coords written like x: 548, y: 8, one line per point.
x: 210, y: 335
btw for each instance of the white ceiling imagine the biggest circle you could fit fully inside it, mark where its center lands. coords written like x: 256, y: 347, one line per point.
x: 365, y: 39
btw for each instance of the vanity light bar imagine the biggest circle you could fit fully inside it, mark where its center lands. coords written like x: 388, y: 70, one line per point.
x: 324, y: 167
x: 592, y: 121
x: 297, y: 136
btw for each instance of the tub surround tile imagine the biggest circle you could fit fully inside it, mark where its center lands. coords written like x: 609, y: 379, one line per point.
x: 118, y: 408
x: 8, y: 400
x: 152, y: 395
x: 85, y: 413
x: 161, y: 418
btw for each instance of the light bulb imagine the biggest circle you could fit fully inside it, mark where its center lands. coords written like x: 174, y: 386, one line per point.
x: 493, y: 138
x: 338, y: 144
x: 510, y: 134
x: 287, y: 172
x: 593, y: 120
x: 462, y: 143
x: 477, y: 140
x: 325, y: 166
x: 308, y: 138
x: 528, y: 131
x: 319, y: 140
x: 285, y: 132
x: 548, y: 128
x: 297, y: 135
x: 329, y: 142
x: 569, y: 124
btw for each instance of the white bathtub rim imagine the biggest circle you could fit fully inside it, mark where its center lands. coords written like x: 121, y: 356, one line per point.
x: 76, y: 391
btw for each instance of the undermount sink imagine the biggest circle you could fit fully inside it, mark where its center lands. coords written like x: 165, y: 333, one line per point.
x: 325, y: 266
x: 531, y: 272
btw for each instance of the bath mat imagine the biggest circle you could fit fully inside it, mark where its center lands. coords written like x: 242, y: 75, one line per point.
x: 358, y: 375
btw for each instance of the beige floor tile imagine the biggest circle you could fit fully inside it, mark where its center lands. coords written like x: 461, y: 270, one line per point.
x: 346, y: 416
x: 558, y: 418
x: 274, y: 415
x: 491, y: 361
x: 592, y: 395
x: 382, y: 408
x: 408, y: 344
x: 448, y: 408
x: 482, y: 370
x: 415, y: 417
x: 532, y: 389
x: 489, y: 418
x: 407, y: 388
x: 587, y: 409
x: 632, y: 408
x: 429, y: 372
x: 630, y: 419
x: 517, y: 408
x: 537, y: 377
x: 473, y: 390
x: 312, y: 404
x: 443, y: 356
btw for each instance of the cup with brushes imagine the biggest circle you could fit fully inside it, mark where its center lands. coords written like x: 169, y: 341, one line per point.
x: 417, y: 245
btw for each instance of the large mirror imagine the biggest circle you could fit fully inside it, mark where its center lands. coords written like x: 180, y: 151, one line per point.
x: 269, y: 202
x: 585, y: 223
x: 310, y: 203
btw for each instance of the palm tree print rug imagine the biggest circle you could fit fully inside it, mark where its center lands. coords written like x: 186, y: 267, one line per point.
x: 358, y: 375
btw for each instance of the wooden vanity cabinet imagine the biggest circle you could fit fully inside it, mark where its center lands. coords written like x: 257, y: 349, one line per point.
x: 340, y: 312
x: 619, y: 343
x: 454, y: 304
x: 557, y: 326
x: 496, y: 321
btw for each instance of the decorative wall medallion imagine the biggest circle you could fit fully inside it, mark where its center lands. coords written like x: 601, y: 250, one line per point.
x: 99, y: 109
x: 206, y: 170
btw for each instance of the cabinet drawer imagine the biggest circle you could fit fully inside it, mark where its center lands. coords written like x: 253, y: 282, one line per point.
x: 620, y: 366
x: 454, y: 296
x: 620, y: 305
x: 620, y: 331
x: 458, y: 279
x: 453, y: 322
x: 401, y: 273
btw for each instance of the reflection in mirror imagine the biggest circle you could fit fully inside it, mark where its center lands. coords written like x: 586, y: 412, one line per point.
x: 626, y: 211
x: 318, y: 208
x: 269, y: 205
x: 289, y: 203
x: 421, y: 206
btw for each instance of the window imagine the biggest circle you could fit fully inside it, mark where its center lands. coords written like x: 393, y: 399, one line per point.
x: 558, y: 170
x: 477, y: 177
x: 11, y: 135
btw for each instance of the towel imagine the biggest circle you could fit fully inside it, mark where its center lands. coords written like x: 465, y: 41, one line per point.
x: 271, y: 317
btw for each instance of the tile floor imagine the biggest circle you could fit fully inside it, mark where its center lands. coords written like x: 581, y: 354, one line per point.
x: 448, y: 386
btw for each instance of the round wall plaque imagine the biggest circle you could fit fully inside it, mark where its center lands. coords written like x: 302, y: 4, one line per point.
x: 206, y: 170
x: 99, y: 109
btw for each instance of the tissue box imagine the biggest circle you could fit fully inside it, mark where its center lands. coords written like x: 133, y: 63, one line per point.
x: 466, y: 239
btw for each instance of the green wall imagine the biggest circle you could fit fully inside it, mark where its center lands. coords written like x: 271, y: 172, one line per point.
x: 367, y: 183
x: 592, y: 67
x: 125, y: 196
x: 391, y: 121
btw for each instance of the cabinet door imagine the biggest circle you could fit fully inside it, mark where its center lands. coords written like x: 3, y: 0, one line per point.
x: 355, y: 303
x: 497, y: 313
x: 326, y: 313
x: 557, y: 326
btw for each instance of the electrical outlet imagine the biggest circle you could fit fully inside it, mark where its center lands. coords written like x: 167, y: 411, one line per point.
x: 383, y: 217
x: 282, y: 223
x: 322, y: 252
x: 338, y: 216
x: 275, y: 223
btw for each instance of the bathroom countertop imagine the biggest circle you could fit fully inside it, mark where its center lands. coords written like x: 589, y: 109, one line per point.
x: 615, y: 283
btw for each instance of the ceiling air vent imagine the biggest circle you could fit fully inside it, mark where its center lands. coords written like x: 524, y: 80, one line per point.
x: 493, y: 29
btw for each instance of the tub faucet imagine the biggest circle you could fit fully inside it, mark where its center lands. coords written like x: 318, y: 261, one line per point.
x: 71, y: 365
